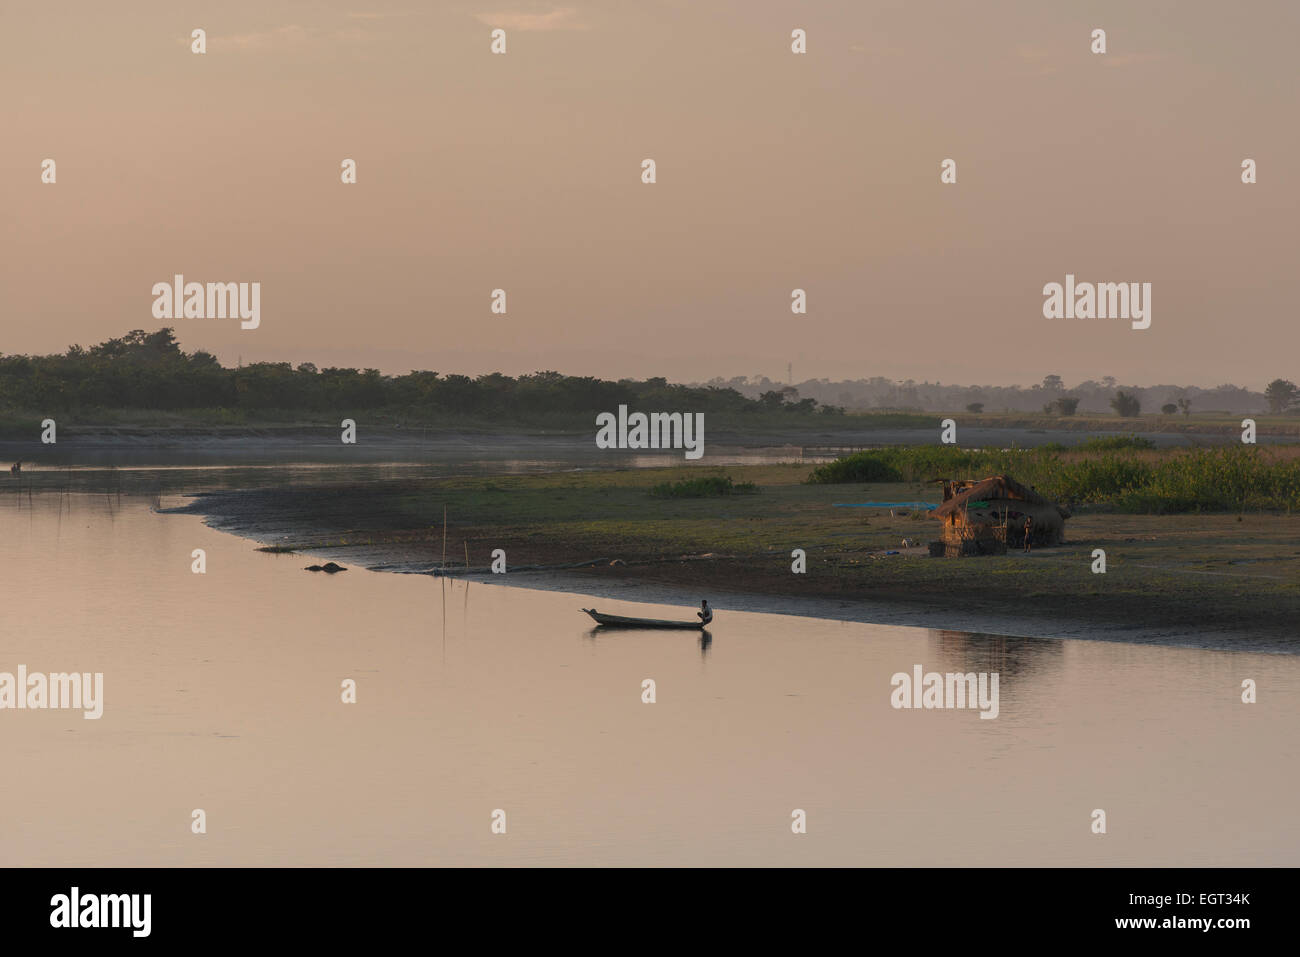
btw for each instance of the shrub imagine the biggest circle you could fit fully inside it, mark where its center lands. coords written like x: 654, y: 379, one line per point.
x: 1062, y: 405
x: 706, y: 487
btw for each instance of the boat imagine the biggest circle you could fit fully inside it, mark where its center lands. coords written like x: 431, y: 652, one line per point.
x: 619, y: 621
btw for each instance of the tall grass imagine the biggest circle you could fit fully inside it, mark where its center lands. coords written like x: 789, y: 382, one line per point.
x: 1233, y: 478
x: 1115, y: 443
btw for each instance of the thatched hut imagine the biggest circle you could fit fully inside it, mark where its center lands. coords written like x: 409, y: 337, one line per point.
x: 984, y: 517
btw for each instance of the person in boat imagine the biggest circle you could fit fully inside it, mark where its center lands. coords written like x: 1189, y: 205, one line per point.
x: 705, y: 613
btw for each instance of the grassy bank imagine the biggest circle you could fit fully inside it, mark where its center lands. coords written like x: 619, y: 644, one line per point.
x: 1123, y: 474
x: 1230, y: 573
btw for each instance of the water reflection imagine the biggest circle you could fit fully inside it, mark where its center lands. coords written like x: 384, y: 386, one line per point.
x: 1012, y: 657
x: 222, y: 691
x: 704, y: 639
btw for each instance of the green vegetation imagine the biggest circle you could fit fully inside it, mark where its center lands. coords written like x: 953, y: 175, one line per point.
x: 1115, y: 443
x: 1204, y: 422
x: 1123, y: 472
x: 707, y: 487
x: 1227, y: 572
x: 1109, y: 443
x: 1062, y: 405
x: 1282, y: 394
x: 145, y: 381
x: 1236, y: 573
x: 148, y: 371
x: 1126, y: 404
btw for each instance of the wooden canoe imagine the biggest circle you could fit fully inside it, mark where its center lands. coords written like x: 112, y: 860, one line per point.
x: 618, y: 621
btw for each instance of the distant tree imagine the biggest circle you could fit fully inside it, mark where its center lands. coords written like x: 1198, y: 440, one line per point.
x: 206, y: 360
x: 1281, y: 395
x: 1053, y: 383
x: 975, y: 407
x: 140, y: 346
x: 1185, y: 405
x: 1108, y: 381
x: 1169, y: 408
x: 1062, y: 405
x: 1126, y: 404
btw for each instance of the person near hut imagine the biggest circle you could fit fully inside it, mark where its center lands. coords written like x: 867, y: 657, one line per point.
x: 1029, y: 531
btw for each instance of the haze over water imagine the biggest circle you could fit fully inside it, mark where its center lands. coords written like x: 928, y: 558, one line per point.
x: 222, y: 692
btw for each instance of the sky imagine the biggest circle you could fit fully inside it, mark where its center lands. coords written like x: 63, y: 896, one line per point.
x: 775, y: 171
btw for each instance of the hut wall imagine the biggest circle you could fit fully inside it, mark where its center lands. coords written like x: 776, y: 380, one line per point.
x: 962, y: 539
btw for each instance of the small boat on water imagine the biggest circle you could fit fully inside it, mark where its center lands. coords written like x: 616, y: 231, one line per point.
x: 619, y: 621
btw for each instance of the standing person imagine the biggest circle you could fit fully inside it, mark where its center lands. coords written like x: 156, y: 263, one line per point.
x: 1029, y: 531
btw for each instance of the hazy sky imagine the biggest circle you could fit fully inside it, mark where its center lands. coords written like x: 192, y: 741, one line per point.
x: 775, y: 171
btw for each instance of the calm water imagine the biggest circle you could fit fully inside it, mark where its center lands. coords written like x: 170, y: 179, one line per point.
x: 222, y: 692
x: 459, y: 454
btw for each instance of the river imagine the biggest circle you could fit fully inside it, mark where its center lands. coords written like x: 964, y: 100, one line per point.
x: 222, y: 692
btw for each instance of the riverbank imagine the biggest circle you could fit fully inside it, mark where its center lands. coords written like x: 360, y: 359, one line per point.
x: 1223, y: 581
x: 201, y: 427
x: 474, y: 448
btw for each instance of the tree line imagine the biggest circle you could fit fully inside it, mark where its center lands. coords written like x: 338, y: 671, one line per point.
x: 1051, y: 395
x: 149, y: 370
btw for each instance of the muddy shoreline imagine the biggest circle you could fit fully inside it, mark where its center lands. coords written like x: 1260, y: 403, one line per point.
x: 354, y: 526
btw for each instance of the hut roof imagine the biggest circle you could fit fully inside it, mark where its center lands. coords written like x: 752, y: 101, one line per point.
x: 995, y: 487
